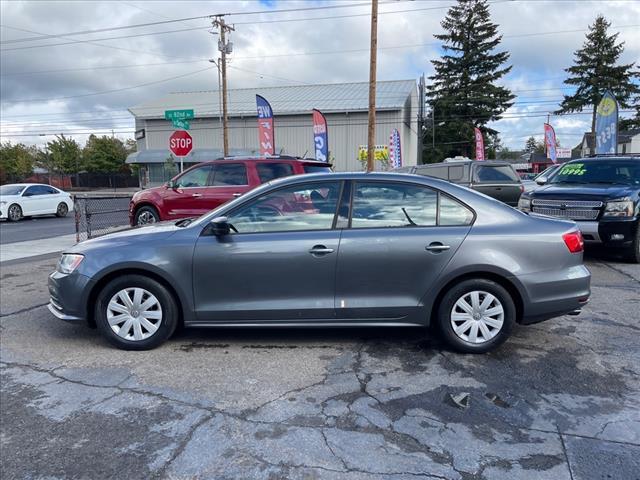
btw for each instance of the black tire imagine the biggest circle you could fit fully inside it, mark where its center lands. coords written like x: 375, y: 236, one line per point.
x: 633, y: 253
x: 167, y: 302
x: 62, y: 210
x: 460, y: 290
x: 146, y: 212
x: 14, y: 212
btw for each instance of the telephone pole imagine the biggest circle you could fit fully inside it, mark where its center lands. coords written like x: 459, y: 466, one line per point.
x: 371, y: 134
x: 225, y: 48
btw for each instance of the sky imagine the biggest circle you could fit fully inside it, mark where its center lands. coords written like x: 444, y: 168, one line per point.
x: 83, y: 83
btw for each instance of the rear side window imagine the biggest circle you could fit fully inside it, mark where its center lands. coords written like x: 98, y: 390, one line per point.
x: 229, y: 174
x: 495, y: 173
x: 379, y: 205
x: 271, y: 171
x: 452, y: 212
x: 316, y: 169
x: 456, y: 173
x: 438, y: 172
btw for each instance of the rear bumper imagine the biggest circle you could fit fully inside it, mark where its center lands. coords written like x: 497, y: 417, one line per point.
x: 556, y: 293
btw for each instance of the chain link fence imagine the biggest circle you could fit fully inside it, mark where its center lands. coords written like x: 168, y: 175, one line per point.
x: 98, y: 215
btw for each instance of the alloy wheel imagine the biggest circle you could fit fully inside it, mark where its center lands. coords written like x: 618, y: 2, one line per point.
x: 477, y: 317
x: 146, y: 217
x: 134, y: 314
x: 15, y: 213
x: 62, y: 209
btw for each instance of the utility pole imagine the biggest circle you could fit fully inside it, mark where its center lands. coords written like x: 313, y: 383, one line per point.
x: 225, y: 48
x: 371, y: 134
x: 421, y: 127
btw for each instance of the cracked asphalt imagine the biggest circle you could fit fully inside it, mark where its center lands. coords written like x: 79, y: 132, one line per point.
x: 560, y: 400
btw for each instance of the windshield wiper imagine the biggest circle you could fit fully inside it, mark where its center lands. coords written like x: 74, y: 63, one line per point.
x: 610, y: 182
x: 411, y: 222
x: 184, y: 222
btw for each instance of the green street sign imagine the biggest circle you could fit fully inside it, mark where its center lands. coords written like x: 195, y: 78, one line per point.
x: 180, y: 124
x: 178, y: 114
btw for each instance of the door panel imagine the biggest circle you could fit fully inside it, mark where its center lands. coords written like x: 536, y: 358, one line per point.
x: 187, y: 198
x: 228, y: 181
x: 265, y: 276
x: 35, y: 200
x: 279, y: 265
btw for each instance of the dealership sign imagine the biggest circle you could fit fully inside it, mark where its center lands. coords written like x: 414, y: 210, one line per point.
x: 180, y: 143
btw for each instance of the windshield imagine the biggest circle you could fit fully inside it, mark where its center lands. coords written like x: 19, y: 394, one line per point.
x: 605, y: 171
x: 11, y: 189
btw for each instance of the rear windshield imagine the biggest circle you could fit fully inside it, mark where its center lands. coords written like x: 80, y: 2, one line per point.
x: 496, y: 173
x: 316, y: 169
x: 622, y: 172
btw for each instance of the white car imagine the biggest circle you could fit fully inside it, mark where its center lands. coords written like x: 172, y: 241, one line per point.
x: 26, y: 199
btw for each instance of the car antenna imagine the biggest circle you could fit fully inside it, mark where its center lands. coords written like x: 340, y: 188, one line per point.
x: 305, y: 153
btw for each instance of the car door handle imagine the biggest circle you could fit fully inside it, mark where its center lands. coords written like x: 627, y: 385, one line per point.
x: 237, y: 194
x: 320, y: 250
x: 196, y: 195
x: 437, y: 247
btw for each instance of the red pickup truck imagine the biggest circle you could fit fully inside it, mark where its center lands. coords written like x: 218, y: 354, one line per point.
x: 208, y: 185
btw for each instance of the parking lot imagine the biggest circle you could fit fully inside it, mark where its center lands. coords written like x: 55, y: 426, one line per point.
x: 560, y: 400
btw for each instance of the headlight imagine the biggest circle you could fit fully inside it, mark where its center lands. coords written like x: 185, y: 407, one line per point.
x: 619, y: 208
x: 524, y: 204
x: 69, y: 262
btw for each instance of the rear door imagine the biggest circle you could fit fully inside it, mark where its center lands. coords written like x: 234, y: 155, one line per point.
x: 228, y: 181
x: 400, y: 238
x: 498, y: 181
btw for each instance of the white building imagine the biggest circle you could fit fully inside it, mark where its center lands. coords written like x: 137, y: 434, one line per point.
x: 345, y: 107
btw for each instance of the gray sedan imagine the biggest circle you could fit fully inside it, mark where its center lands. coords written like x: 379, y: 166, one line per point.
x: 349, y: 249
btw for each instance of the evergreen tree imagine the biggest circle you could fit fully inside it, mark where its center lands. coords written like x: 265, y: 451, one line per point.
x: 463, y: 90
x: 534, y: 146
x: 596, y: 70
x: 104, y: 154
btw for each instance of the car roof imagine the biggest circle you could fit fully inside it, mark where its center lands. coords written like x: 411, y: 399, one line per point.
x: 275, y: 158
x: 464, y: 162
x: 26, y: 185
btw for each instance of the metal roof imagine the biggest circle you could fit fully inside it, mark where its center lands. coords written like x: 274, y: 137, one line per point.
x: 297, y: 99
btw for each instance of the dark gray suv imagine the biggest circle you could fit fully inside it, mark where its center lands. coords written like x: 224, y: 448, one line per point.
x: 494, y: 178
x: 348, y: 249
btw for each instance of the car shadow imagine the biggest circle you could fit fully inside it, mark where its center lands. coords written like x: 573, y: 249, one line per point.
x: 600, y: 253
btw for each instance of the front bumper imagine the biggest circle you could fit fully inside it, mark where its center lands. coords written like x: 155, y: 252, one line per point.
x: 68, y: 295
x: 612, y: 232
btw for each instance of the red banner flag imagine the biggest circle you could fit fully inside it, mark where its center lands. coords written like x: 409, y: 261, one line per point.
x: 479, y: 144
x: 265, y: 127
x: 550, y: 142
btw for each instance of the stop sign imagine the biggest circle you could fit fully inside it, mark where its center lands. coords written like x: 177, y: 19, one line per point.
x: 180, y: 143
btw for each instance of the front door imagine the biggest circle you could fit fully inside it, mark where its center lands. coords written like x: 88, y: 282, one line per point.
x: 279, y: 265
x: 401, y: 237
x: 187, y: 197
x: 228, y: 181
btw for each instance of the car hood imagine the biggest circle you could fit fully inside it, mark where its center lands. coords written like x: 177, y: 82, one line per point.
x: 126, y: 237
x: 592, y: 191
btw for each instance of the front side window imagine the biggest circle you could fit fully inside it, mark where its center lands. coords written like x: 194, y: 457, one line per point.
x: 496, y: 173
x: 379, y: 205
x: 271, y: 171
x: 230, y: 174
x: 33, y: 191
x: 194, y: 178
x: 301, y: 207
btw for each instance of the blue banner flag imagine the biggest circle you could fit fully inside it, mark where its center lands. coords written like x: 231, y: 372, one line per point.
x: 607, y: 125
x: 266, y: 135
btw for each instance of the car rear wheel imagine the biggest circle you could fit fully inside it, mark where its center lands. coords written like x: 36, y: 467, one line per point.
x: 135, y: 312
x: 62, y: 210
x: 476, y: 315
x: 14, y: 213
x: 146, y: 215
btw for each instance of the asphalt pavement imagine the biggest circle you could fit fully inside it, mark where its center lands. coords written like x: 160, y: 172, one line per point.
x: 560, y: 400
x: 36, y: 228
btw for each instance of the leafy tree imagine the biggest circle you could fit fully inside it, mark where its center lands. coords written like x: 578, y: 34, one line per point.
x: 596, y: 70
x: 16, y: 161
x: 63, y: 155
x: 104, y: 154
x: 533, y: 145
x: 463, y: 91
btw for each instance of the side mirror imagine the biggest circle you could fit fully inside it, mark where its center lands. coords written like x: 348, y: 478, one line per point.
x: 220, y: 226
x: 541, y: 180
x: 171, y: 184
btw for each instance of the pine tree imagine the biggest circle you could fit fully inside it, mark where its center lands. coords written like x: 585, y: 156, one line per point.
x: 533, y: 146
x: 463, y: 90
x: 596, y: 70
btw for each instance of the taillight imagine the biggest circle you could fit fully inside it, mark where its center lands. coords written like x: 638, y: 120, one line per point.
x: 574, y: 241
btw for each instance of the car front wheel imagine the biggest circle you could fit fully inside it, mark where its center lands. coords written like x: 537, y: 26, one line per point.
x: 135, y: 312
x: 146, y: 215
x: 14, y: 213
x: 633, y: 254
x: 476, y: 315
